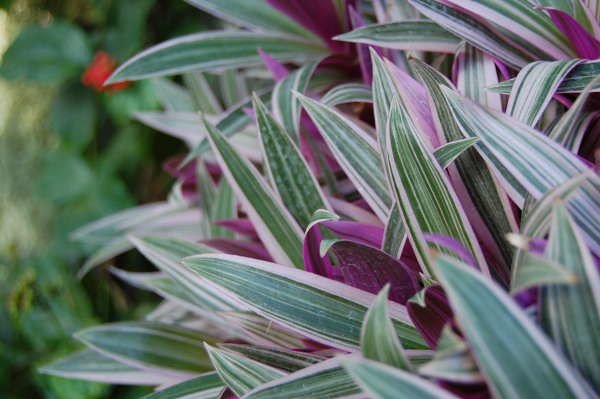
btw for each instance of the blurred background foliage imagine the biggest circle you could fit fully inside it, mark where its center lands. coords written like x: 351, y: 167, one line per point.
x: 70, y: 154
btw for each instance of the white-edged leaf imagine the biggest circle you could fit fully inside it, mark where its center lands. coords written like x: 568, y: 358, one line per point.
x: 203, y: 96
x: 282, y: 359
x: 535, y: 271
x: 448, y: 152
x: 417, y: 35
x: 205, y: 386
x: 504, y: 340
x: 347, y: 93
x: 213, y: 51
x: 475, y: 71
x: 323, y: 309
x: 186, y: 126
x: 275, y: 226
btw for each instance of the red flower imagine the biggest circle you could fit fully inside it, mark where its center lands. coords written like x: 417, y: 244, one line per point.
x: 99, y: 71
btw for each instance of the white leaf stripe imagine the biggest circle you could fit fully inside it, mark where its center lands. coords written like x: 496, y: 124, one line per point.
x: 475, y: 71
x: 277, y: 229
x: 419, y: 35
x: 356, y: 152
x: 321, y: 308
x: 532, y: 163
x: 347, y: 93
x: 534, y: 87
x: 205, y: 386
x: 214, y: 51
x: 434, y: 210
x: 504, y: 340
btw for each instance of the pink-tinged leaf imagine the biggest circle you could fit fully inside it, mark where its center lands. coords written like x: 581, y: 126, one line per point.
x: 431, y: 319
x: 318, y: 16
x: 311, y: 250
x: 277, y: 69
x: 467, y: 391
x: 358, y: 232
x: 240, y: 226
x: 370, y: 269
x: 240, y: 248
x: 353, y: 212
x: 364, y: 55
x: 582, y: 41
x: 453, y: 245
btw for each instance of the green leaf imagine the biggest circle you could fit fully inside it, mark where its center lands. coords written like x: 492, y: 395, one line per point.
x: 534, y: 87
x: 475, y: 71
x: 241, y: 374
x: 73, y: 116
x: 480, y: 185
x: 320, y: 308
x: 528, y: 162
x: 570, y: 314
x: 323, y: 380
x: 287, y: 170
x: 535, y: 271
x: 380, y: 381
x: 47, y: 54
x: 204, y: 98
x: 223, y: 207
x: 161, y: 347
x: 448, y: 152
x: 347, y: 93
x: 272, y: 221
x: 186, y: 126
x: 93, y: 366
x: 206, y: 386
x: 172, y: 96
x: 417, y: 35
x: 285, y: 105
x: 213, y: 51
x: 378, y: 339
x: 435, y: 209
x: 575, y: 82
x: 356, y: 152
x: 504, y: 340
x: 394, y: 235
x: 260, y: 331
x: 233, y: 87
x: 282, y: 359
x: 252, y: 14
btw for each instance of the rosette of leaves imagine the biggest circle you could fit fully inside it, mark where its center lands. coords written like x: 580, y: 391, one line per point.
x: 382, y: 199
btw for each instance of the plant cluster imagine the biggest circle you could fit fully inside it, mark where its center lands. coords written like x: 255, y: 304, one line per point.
x: 383, y: 199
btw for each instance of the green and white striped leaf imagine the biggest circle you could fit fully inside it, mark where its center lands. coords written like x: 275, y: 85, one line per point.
x: 347, y: 93
x: 575, y: 82
x: 214, y: 51
x: 260, y: 331
x: 161, y: 347
x: 535, y: 271
x: 378, y: 339
x: 233, y: 87
x: 206, y: 386
x: 203, y: 96
x: 282, y: 359
x: 534, y: 87
x: 570, y: 314
x: 323, y: 309
x: 394, y: 235
x: 528, y: 162
x: 285, y: 104
x: 475, y: 71
x: 416, y: 35
x: 504, y: 340
x: 356, y: 151
x: 273, y: 223
x: 253, y: 14
x: 239, y: 373
x: 223, y: 207
x: 570, y: 129
x: 447, y: 153
x: 494, y: 218
x: 323, y: 380
x: 425, y: 198
x: 381, y: 381
x: 186, y: 126
x: 470, y: 29
x: 92, y: 366
x: 172, y: 96
x: 166, y: 255
x: 287, y: 170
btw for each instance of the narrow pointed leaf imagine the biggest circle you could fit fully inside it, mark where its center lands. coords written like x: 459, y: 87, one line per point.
x: 206, y: 386
x: 162, y: 347
x: 347, y: 93
x: 534, y: 87
x: 202, y: 94
x: 274, y: 225
x: 213, y: 51
x: 356, y: 152
x: 380, y: 381
x: 394, y: 235
x: 535, y: 271
x: 241, y: 374
x: 447, y: 153
x: 418, y: 35
x: 223, y: 208
x: 571, y: 313
x: 378, y: 339
x: 476, y: 71
x: 282, y: 359
x: 287, y: 169
x: 504, y: 341
x: 326, y: 310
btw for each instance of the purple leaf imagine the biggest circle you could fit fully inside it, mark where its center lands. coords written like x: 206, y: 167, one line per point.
x: 248, y: 249
x: 241, y: 226
x: 358, y: 232
x: 313, y: 261
x: 451, y: 244
x: 369, y: 269
x: 277, y: 69
x: 582, y: 41
x: 431, y: 319
x: 364, y: 55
